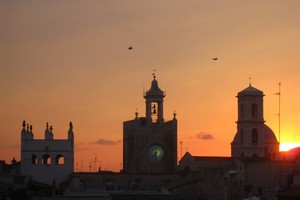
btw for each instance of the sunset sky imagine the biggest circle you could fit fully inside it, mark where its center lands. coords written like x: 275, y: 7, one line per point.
x: 65, y: 61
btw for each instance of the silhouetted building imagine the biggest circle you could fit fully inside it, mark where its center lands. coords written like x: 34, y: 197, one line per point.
x: 150, y: 143
x: 253, y: 137
x: 10, y: 169
x: 47, y: 161
x: 256, y: 168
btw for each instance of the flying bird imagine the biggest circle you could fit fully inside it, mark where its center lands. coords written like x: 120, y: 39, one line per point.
x: 130, y: 48
x: 215, y: 58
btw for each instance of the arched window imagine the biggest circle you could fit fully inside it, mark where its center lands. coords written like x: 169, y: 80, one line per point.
x: 254, y: 136
x: 46, y: 159
x: 242, y: 111
x: 254, y: 110
x: 242, y: 136
x: 59, y: 159
x: 34, y: 159
x: 154, y: 112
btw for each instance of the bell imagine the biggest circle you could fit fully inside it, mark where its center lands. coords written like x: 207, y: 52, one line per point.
x: 154, y: 111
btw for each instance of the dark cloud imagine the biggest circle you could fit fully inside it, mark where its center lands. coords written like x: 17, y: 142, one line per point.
x: 204, y: 136
x: 107, y: 142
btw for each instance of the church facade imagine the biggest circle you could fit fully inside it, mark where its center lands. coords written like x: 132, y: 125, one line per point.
x: 47, y: 161
x: 150, y: 143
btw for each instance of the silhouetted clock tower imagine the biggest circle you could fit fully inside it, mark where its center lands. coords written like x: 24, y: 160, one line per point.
x: 150, y: 143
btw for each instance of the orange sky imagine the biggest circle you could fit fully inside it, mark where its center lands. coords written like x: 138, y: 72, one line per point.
x: 67, y: 61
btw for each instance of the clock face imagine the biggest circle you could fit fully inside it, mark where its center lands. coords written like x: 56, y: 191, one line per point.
x: 155, y: 153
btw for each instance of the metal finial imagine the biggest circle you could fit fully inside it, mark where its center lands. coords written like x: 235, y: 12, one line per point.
x: 174, y: 114
x: 136, y: 114
x: 154, y: 76
x: 51, y: 128
x: 24, y: 124
x: 71, y: 125
x: 250, y: 79
x: 30, y: 128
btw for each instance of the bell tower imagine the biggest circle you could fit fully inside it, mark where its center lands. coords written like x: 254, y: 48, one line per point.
x: 253, y: 137
x: 150, y: 143
x: 154, y: 103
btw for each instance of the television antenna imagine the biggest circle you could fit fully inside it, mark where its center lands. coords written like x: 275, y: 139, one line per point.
x: 180, y: 149
x: 279, y: 94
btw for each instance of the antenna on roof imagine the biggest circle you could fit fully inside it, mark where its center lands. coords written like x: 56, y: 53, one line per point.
x: 279, y: 94
x: 180, y: 149
x: 144, y: 92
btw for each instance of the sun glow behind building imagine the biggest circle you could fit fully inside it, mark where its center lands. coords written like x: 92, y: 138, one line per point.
x: 288, y: 146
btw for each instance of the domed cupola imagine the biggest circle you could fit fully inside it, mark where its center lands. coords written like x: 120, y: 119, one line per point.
x: 154, y: 103
x: 154, y: 91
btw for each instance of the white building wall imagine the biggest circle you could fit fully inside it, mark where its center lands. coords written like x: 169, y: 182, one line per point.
x: 51, y: 171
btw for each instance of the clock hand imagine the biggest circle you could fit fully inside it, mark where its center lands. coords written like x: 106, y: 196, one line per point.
x: 155, y: 155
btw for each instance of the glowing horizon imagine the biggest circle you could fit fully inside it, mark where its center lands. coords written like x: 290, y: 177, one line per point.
x: 288, y: 146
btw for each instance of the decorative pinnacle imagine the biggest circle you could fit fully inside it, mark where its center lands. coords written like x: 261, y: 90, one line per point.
x: 51, y: 128
x: 71, y: 125
x: 47, y: 127
x: 24, y: 124
x: 174, y: 114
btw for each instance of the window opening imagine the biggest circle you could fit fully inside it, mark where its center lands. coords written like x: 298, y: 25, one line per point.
x: 154, y: 111
x: 242, y: 111
x: 254, y: 110
x: 34, y: 160
x: 60, y: 159
x: 254, y: 136
x: 242, y: 136
x: 46, y: 160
